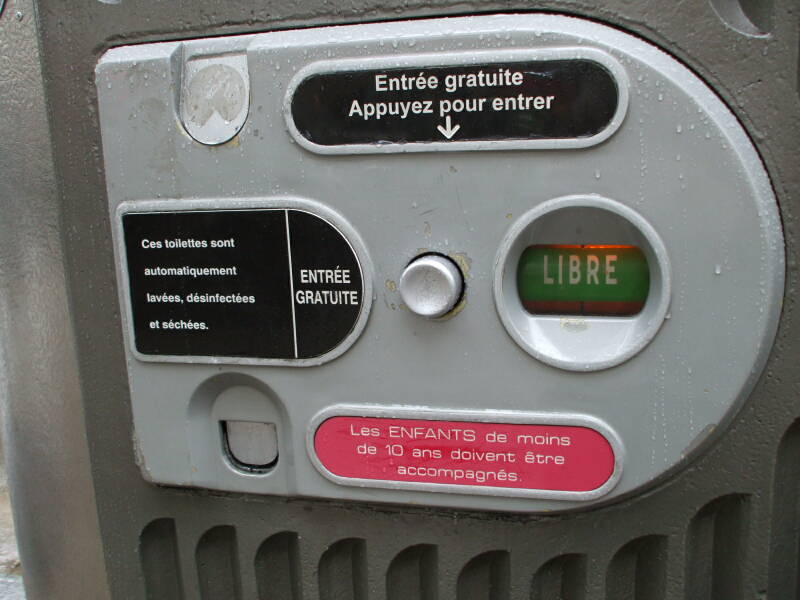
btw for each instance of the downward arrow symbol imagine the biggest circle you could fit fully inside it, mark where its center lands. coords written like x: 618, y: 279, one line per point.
x: 448, y: 130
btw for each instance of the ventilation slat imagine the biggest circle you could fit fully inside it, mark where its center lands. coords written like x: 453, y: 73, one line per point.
x: 485, y: 577
x: 218, y: 564
x: 277, y: 567
x: 784, y: 555
x: 158, y: 552
x: 561, y: 578
x: 716, y: 549
x: 414, y: 574
x: 638, y: 570
x: 343, y: 571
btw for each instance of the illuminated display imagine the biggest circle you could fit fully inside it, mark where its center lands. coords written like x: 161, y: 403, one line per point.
x: 602, y: 280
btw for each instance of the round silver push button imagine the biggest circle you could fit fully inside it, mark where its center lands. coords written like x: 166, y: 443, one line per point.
x: 431, y: 285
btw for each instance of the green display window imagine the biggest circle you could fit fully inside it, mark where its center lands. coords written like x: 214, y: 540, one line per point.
x: 599, y: 280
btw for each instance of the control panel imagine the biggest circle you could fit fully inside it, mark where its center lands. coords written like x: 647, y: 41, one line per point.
x: 515, y: 262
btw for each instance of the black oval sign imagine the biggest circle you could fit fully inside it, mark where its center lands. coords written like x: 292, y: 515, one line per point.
x: 501, y: 101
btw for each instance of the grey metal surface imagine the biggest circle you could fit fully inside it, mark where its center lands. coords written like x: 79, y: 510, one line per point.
x: 678, y: 169
x: 47, y: 450
x: 745, y: 483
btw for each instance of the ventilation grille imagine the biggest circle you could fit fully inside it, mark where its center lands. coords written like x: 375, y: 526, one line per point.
x: 707, y: 557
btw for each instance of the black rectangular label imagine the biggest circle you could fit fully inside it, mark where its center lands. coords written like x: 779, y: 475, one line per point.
x: 223, y: 283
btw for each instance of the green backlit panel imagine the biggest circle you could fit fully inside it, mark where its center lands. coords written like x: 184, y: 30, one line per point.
x: 583, y: 280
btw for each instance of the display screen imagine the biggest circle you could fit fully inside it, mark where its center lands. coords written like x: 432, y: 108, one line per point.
x: 600, y: 280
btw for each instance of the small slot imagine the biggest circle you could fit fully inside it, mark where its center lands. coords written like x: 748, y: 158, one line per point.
x: 249, y: 445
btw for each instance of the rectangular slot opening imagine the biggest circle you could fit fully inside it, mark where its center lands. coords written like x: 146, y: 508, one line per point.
x: 249, y: 445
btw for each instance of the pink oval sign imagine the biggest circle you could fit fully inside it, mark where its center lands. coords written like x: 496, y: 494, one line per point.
x: 558, y: 458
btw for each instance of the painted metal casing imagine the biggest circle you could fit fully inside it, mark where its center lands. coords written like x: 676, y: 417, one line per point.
x: 673, y: 163
x: 725, y: 526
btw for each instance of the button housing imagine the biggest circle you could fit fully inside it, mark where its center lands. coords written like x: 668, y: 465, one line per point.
x: 431, y: 286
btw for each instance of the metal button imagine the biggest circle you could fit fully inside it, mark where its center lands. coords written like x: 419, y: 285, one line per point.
x: 431, y: 285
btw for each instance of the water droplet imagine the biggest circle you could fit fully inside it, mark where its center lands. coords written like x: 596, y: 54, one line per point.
x: 717, y: 269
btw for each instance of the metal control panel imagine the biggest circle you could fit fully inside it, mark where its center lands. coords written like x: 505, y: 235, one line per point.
x: 516, y: 263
